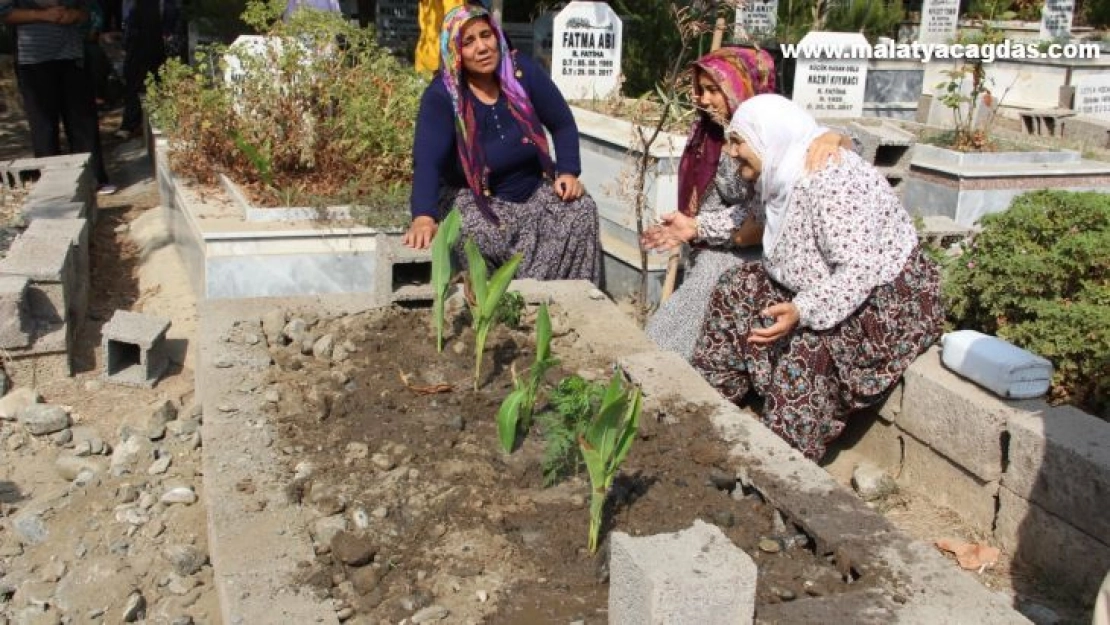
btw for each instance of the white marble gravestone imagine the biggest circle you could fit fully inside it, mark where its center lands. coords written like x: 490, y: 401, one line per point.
x: 246, y: 46
x: 1056, y: 19
x: 586, y: 51
x: 831, y: 87
x: 1092, y: 96
x: 757, y: 18
x: 939, y: 19
x: 397, y: 24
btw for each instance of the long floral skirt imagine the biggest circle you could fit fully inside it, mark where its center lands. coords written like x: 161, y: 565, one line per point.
x: 559, y: 240
x: 812, y: 379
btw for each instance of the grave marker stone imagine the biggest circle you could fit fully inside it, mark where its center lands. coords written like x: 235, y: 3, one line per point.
x: 1056, y: 19
x: 586, y: 52
x: 939, y: 19
x: 1092, y: 96
x: 757, y: 18
x: 396, y: 21
x: 832, y: 87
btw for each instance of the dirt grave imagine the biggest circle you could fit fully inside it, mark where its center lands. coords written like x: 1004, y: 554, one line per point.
x: 438, y: 518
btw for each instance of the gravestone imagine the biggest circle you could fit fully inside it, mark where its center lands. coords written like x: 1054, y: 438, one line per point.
x: 939, y: 19
x: 827, y: 86
x: 397, y: 25
x: 1092, y: 96
x: 246, y: 46
x: 1056, y: 18
x: 586, y: 51
x: 756, y: 19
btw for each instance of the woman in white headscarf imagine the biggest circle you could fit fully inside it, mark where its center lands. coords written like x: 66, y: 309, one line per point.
x: 844, y: 299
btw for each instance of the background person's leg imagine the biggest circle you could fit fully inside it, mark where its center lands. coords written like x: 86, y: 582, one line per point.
x: 42, y: 101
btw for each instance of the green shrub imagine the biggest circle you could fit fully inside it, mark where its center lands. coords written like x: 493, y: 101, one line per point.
x: 325, y: 116
x: 1038, y: 275
x: 873, y: 18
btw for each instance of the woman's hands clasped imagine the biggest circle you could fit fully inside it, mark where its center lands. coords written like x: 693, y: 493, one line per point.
x: 786, y: 318
x: 672, y: 231
x: 420, y: 233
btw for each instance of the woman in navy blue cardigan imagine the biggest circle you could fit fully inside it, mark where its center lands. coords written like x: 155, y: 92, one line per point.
x: 480, y: 146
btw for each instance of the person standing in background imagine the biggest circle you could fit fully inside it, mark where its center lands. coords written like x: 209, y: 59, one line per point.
x: 53, y: 81
x: 148, y: 25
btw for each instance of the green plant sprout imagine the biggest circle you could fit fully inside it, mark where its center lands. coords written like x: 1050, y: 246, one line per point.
x: 444, y: 240
x: 515, y: 413
x: 487, y: 294
x: 572, y: 401
x: 605, y: 444
x: 510, y: 309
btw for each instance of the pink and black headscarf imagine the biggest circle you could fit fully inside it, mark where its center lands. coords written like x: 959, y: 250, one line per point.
x: 466, y: 128
x: 741, y: 73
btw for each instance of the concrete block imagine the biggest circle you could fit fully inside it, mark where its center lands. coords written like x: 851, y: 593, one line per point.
x: 868, y: 607
x: 41, y: 260
x: 1071, y: 559
x: 937, y: 404
x: 45, y: 233
x: 62, y: 161
x: 1060, y: 460
x: 37, y: 369
x: 15, y: 322
x: 135, y: 349
x: 871, y: 437
x: 694, y: 576
x: 931, y: 474
x: 54, y: 209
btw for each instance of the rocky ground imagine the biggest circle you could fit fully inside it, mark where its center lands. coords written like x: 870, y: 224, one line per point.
x: 101, y: 508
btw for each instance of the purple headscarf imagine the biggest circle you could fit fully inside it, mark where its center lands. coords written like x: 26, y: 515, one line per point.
x: 740, y: 73
x: 466, y: 128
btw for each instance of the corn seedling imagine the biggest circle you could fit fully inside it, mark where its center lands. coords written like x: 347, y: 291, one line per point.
x: 515, y: 413
x: 487, y: 294
x: 444, y: 240
x: 605, y: 444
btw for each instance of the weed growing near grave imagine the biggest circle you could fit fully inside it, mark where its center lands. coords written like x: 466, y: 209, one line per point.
x: 605, y: 444
x: 515, y: 414
x: 572, y: 402
x: 320, y: 115
x: 487, y: 293
x: 1038, y: 275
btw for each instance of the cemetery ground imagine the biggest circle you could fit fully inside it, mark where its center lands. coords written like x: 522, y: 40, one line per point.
x: 459, y: 526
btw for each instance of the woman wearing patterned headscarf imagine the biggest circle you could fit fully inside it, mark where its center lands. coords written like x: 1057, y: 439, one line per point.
x: 844, y: 299
x: 714, y: 213
x: 480, y: 146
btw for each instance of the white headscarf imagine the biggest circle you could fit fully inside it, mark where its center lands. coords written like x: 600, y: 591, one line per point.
x: 779, y: 132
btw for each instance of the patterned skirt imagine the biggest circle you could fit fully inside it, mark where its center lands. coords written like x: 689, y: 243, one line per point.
x: 559, y: 240
x: 811, y: 380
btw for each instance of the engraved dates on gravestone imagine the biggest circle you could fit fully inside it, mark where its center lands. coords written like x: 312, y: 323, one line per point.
x: 586, y: 53
x: 396, y: 21
x: 832, y: 84
x: 1056, y: 19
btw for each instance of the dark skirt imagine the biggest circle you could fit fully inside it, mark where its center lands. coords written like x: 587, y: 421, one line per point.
x: 559, y: 240
x: 812, y: 379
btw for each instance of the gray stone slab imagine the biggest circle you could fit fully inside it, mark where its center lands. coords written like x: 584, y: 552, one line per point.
x: 696, y: 576
x: 15, y: 319
x: 289, y: 275
x: 937, y: 403
x: 942, y: 481
x: 62, y: 161
x: 859, y: 608
x: 1060, y: 460
x: 53, y: 209
x: 41, y: 260
x: 1073, y: 560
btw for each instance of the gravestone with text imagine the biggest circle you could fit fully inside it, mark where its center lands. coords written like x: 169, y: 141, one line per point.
x: 939, y: 19
x: 826, y: 86
x: 1056, y: 18
x: 756, y: 19
x: 586, y: 51
x: 1092, y: 96
x: 397, y: 24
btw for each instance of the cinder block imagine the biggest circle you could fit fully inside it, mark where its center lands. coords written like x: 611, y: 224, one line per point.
x: 695, y: 576
x: 135, y: 349
x: 1060, y: 460
x: 44, y: 233
x: 873, y: 438
x: 15, y: 316
x: 62, y: 161
x: 954, y: 417
x: 1071, y: 559
x: 50, y: 265
x: 54, y: 209
x: 36, y: 369
x: 929, y: 473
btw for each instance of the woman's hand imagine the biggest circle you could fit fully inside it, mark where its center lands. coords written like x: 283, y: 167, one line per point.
x: 568, y: 188
x: 420, y: 233
x: 749, y: 233
x: 673, y: 230
x: 786, y: 319
x: 823, y: 151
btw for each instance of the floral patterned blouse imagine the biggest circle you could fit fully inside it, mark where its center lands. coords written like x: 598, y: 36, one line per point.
x: 844, y: 233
